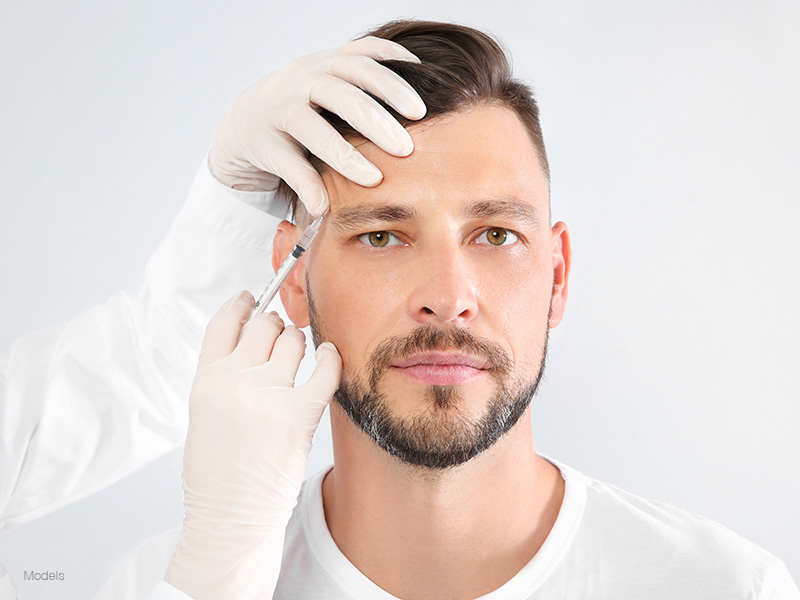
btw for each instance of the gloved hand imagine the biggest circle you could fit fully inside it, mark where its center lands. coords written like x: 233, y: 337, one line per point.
x: 263, y: 136
x: 247, y: 447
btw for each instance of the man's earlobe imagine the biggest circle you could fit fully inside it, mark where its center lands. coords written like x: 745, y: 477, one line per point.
x: 293, y: 291
x: 562, y: 261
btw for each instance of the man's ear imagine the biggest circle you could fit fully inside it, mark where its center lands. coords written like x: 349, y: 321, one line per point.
x: 293, y: 292
x: 562, y: 261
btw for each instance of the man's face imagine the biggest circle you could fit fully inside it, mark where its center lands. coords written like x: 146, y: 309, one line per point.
x: 436, y: 286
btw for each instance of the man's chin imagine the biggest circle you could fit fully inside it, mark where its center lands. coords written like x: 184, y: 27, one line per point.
x: 407, y: 399
x: 437, y: 433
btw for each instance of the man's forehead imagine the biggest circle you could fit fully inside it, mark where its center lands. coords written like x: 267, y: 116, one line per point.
x: 481, y: 157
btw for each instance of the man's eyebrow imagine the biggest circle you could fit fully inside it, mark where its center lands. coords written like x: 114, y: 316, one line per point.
x: 508, y: 208
x: 366, y: 215
x: 362, y: 215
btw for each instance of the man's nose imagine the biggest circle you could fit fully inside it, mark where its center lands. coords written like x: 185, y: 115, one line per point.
x: 445, y: 290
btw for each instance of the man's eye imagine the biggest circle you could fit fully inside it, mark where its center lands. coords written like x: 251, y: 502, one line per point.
x: 497, y: 236
x: 379, y: 239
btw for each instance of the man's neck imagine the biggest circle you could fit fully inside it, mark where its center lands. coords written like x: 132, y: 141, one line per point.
x: 457, y: 533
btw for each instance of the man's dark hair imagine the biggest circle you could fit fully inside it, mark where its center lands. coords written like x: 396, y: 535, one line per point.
x: 461, y: 68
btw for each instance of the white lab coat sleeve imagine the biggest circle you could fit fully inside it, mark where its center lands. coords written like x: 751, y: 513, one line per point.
x: 84, y: 404
x: 165, y: 591
x: 140, y: 576
x: 7, y: 589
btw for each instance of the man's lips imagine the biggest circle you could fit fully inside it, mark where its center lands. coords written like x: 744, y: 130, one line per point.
x: 440, y: 368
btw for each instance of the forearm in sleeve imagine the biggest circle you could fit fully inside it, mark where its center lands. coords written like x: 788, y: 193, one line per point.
x: 84, y: 404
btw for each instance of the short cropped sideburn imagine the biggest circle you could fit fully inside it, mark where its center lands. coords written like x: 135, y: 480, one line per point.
x: 461, y: 68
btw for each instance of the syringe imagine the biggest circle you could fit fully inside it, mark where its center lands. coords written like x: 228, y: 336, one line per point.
x: 283, y: 272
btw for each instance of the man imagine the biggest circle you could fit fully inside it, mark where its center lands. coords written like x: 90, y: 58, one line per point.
x: 430, y: 298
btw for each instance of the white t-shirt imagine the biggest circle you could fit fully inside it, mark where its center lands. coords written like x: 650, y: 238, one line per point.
x: 606, y: 543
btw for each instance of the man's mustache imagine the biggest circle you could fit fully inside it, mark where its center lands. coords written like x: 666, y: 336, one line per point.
x: 427, y: 339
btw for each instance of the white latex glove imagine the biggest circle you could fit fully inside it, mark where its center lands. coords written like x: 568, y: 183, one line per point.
x: 247, y: 447
x: 263, y: 136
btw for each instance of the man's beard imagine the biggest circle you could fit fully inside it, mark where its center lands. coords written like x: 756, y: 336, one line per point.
x: 443, y: 435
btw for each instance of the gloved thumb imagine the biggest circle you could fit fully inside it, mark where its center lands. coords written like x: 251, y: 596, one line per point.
x: 222, y: 332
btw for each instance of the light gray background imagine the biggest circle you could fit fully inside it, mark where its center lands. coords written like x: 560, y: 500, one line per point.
x: 672, y: 130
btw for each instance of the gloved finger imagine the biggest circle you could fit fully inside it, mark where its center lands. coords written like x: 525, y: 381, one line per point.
x: 258, y: 338
x: 315, y: 133
x: 368, y: 117
x: 379, y: 49
x: 289, y: 349
x: 325, y: 378
x: 291, y: 164
x: 380, y: 81
x: 222, y: 332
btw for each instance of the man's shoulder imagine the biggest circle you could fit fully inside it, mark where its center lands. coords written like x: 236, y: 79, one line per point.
x: 620, y: 528
x: 667, y: 524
